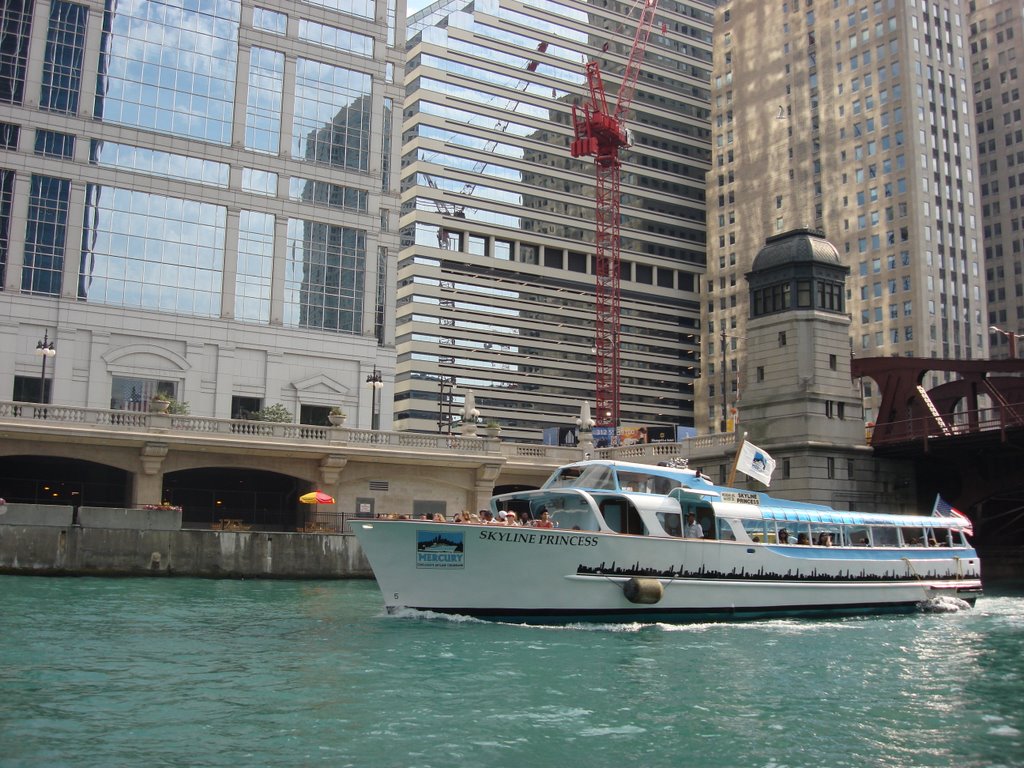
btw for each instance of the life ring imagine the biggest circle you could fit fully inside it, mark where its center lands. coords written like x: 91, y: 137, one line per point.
x: 644, y: 591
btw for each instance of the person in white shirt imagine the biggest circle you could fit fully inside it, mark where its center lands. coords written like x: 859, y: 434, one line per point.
x: 693, y: 529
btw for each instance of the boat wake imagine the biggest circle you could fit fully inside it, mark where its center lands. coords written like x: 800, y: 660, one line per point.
x: 944, y: 604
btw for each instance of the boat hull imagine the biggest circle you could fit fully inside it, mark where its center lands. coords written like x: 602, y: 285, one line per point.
x: 554, y: 576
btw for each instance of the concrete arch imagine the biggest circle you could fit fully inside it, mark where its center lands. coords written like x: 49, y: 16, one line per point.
x: 263, y: 498
x: 48, y: 478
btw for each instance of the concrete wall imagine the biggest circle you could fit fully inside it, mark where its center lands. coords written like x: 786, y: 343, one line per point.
x: 77, y: 550
x: 137, y: 519
x: 36, y: 514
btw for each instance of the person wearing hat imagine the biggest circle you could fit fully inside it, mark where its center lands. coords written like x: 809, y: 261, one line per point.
x: 693, y: 529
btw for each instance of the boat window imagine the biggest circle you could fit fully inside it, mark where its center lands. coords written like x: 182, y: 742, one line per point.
x: 704, y: 514
x: 858, y: 535
x: 566, y: 477
x: 938, y: 537
x: 725, y: 532
x: 574, y: 519
x: 912, y: 537
x: 642, y: 482
x: 827, y: 536
x: 883, y: 536
x: 621, y: 516
x: 799, y: 533
x: 755, y: 530
x: 672, y: 522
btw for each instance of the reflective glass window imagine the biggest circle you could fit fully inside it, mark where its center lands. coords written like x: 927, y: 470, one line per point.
x: 62, y: 62
x: 263, y: 102
x: 152, y: 252
x: 15, y: 29
x: 255, y: 266
x: 327, y: 195
x: 154, y: 162
x: 53, y: 144
x: 170, y: 68
x: 269, y: 21
x: 363, y: 8
x: 335, y: 37
x: 259, y: 182
x: 45, y: 233
x: 6, y: 203
x: 379, y: 317
x: 324, y: 276
x: 9, y: 134
x: 385, y: 149
x: 332, y: 115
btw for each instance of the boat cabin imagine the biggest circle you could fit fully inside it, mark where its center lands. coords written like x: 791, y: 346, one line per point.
x: 642, y: 500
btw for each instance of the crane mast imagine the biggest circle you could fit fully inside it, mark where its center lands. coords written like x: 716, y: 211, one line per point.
x: 602, y: 134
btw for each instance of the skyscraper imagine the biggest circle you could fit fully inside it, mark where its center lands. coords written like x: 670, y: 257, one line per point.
x: 856, y: 119
x: 195, y: 200
x: 997, y: 60
x: 496, y: 273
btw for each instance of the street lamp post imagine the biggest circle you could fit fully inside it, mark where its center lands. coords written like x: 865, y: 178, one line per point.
x: 376, y: 382
x: 45, y: 349
x: 725, y: 383
x: 1011, y: 337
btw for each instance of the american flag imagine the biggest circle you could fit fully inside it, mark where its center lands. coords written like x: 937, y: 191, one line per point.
x: 943, y: 508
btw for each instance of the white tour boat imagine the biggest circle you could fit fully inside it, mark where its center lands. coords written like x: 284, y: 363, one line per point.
x: 619, y: 552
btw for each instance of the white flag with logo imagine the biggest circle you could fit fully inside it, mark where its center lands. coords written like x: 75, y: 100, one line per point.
x: 756, y: 463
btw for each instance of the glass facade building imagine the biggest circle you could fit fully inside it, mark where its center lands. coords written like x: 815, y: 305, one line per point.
x: 191, y: 199
x: 496, y: 291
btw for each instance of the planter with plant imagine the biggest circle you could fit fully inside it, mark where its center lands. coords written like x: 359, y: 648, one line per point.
x: 336, y: 416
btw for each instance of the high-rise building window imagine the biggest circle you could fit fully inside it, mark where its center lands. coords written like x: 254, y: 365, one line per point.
x: 332, y: 116
x: 185, y: 95
x: 269, y: 21
x: 6, y: 203
x: 45, y: 233
x: 385, y: 149
x: 263, y: 102
x: 254, y: 269
x: 152, y: 252
x: 364, y: 8
x: 15, y: 28
x: 54, y: 144
x: 62, y: 61
x: 324, y: 276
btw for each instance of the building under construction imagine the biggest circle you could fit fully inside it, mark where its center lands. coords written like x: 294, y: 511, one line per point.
x: 497, y: 265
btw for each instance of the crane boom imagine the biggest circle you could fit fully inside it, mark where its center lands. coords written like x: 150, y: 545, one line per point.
x: 602, y: 134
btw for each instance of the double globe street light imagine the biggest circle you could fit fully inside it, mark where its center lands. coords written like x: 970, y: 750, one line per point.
x: 376, y: 382
x: 45, y: 349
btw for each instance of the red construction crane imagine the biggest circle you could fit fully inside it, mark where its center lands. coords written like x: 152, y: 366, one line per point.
x: 601, y: 134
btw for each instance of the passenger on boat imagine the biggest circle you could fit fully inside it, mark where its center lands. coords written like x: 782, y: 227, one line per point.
x: 803, y: 538
x: 824, y: 539
x: 487, y: 518
x: 544, y: 521
x: 439, y: 518
x: 783, y: 536
x: 693, y: 529
x: 511, y: 519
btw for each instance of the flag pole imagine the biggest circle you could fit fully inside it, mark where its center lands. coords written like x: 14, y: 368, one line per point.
x: 736, y: 460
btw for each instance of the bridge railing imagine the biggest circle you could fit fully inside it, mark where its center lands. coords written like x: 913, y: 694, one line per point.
x: 31, y: 415
x: 968, y: 421
x: 122, y: 421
